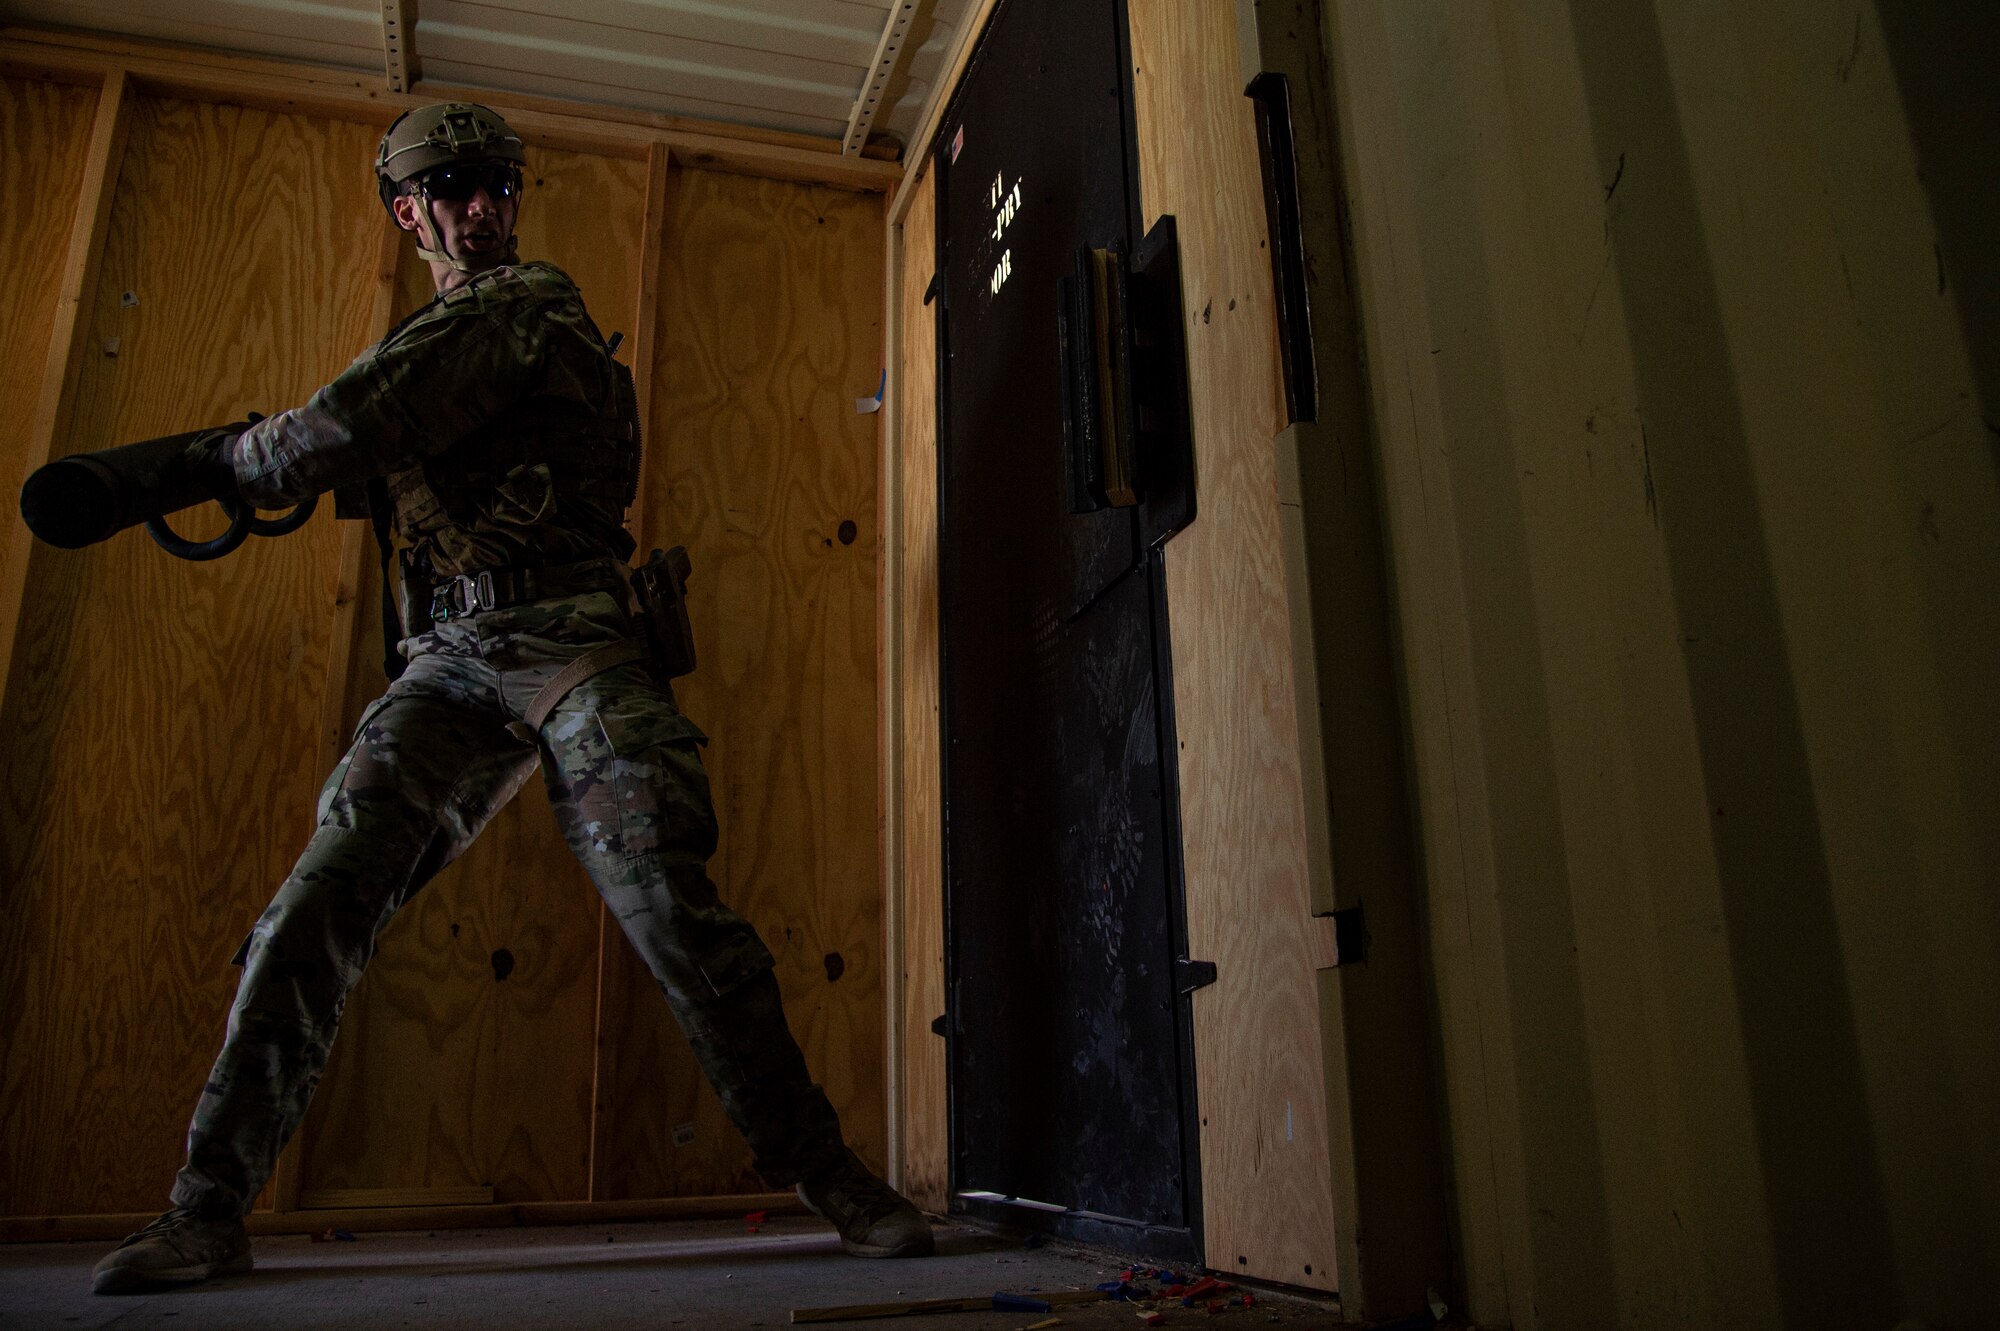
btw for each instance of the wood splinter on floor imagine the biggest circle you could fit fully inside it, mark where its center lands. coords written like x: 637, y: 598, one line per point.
x: 1047, y: 1299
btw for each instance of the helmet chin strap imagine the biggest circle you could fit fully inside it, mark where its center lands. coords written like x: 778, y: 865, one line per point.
x: 436, y: 238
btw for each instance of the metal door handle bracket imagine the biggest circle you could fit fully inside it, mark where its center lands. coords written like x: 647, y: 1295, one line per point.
x: 1192, y: 975
x: 1124, y: 381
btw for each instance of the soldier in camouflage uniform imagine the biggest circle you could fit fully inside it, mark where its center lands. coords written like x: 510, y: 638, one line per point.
x: 508, y: 438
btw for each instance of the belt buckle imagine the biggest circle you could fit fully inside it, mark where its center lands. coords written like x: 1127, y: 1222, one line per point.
x: 441, y: 602
x: 448, y: 600
x: 463, y: 594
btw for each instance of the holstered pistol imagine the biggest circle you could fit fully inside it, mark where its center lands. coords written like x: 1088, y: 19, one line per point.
x: 660, y: 586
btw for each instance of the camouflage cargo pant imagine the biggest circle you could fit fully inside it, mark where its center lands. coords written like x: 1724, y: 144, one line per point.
x: 432, y: 761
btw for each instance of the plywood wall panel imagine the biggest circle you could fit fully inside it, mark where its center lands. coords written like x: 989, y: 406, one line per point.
x: 926, y: 1148
x: 1266, y: 1191
x: 44, y: 131
x: 770, y: 328
x: 153, y: 791
x: 466, y: 1055
x: 584, y: 213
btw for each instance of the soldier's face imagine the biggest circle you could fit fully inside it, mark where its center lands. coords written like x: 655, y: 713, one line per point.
x: 477, y: 228
x: 473, y: 229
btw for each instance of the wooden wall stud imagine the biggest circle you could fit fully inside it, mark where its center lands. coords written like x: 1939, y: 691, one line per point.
x: 644, y: 339
x: 71, y: 325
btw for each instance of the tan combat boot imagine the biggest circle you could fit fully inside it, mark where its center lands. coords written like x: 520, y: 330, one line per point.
x: 180, y: 1248
x: 874, y: 1219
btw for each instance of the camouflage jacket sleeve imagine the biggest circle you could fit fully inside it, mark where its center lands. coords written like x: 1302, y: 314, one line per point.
x: 461, y: 363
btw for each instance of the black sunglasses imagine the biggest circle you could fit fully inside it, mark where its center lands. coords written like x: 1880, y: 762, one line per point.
x: 458, y: 183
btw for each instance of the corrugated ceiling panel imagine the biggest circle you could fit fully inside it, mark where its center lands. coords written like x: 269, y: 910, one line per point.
x: 919, y: 71
x: 343, y: 33
x: 920, y: 63
x: 671, y: 68
x: 779, y: 64
x: 839, y: 31
x: 481, y: 77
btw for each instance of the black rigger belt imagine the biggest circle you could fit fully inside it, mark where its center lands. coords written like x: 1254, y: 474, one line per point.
x: 462, y: 594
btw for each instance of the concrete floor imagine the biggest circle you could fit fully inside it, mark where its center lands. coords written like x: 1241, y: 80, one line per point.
x: 697, y: 1275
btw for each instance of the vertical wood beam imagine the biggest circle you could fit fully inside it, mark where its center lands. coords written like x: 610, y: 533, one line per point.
x: 1266, y: 1195
x: 1387, y: 1183
x: 343, y: 645
x: 645, y: 339
x: 399, y: 44
x: 645, y: 334
x: 895, y: 614
x: 71, y: 325
x: 924, y: 1171
x: 889, y: 687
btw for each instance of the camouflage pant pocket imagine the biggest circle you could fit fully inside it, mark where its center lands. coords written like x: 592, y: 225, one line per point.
x: 338, y: 777
x: 658, y: 784
x: 642, y: 812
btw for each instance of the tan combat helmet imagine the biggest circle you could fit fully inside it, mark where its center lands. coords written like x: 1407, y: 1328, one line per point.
x: 427, y: 137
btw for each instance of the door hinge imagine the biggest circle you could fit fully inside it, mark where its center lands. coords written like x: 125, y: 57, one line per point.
x: 940, y: 1025
x: 1192, y: 975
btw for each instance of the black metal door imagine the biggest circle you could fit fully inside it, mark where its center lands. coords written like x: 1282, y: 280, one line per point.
x: 1071, y: 1085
